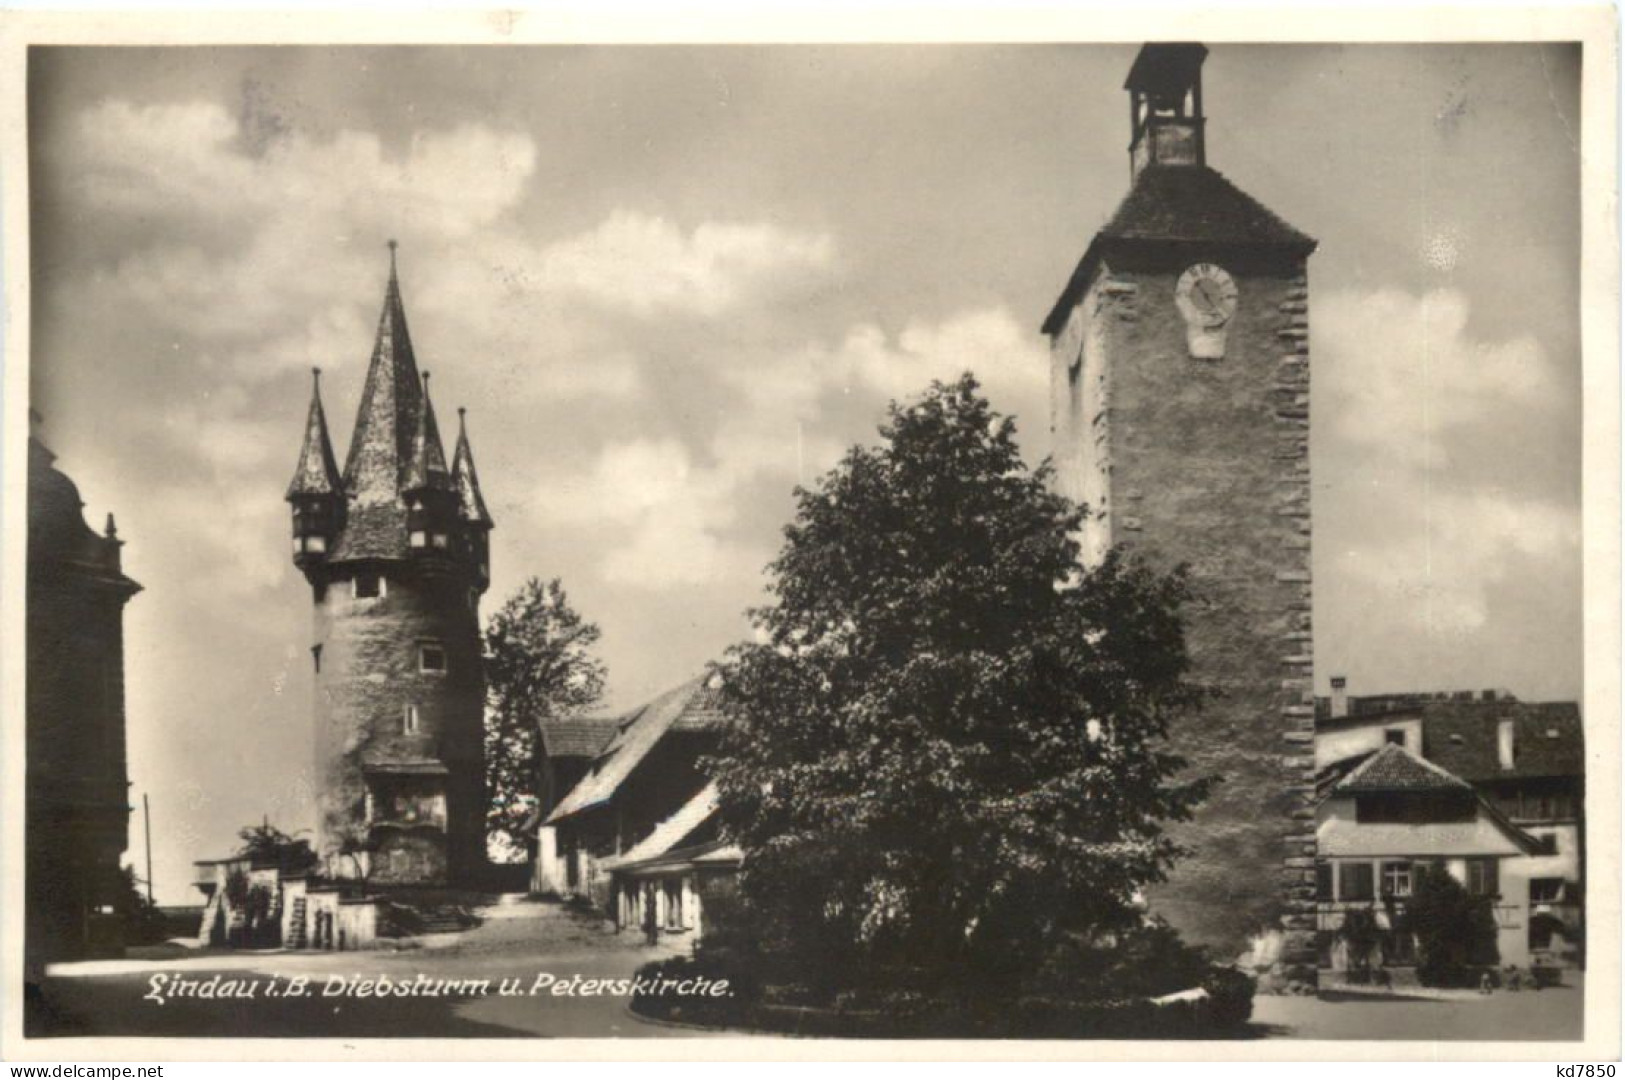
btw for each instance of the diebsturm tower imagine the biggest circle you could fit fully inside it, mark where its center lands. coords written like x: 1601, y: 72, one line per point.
x: 397, y: 553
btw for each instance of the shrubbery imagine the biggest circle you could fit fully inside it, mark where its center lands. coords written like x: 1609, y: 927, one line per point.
x: 1455, y: 932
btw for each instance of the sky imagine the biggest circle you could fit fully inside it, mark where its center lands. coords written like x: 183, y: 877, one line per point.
x: 669, y: 284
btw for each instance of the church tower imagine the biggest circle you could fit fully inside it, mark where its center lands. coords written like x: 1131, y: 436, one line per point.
x: 1179, y: 375
x: 396, y: 551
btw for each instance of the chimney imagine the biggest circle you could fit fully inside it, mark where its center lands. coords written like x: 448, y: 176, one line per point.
x: 1504, y: 744
x: 1340, y: 697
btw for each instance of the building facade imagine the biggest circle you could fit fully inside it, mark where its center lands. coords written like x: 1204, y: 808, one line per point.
x: 1526, y: 760
x: 636, y: 836
x: 1179, y: 370
x: 396, y: 552
x: 77, y: 788
x: 1389, y: 817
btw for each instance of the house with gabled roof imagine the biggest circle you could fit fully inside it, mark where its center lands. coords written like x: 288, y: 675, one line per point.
x: 639, y: 803
x: 1525, y: 759
x: 1385, y: 818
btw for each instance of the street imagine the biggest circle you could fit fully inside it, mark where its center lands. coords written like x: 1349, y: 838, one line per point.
x: 520, y: 939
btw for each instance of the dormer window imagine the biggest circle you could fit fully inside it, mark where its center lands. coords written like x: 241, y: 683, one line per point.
x: 431, y: 658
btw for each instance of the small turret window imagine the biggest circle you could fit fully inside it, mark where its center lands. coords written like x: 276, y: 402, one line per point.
x: 418, y: 538
x: 409, y: 720
x: 440, y: 540
x: 431, y: 658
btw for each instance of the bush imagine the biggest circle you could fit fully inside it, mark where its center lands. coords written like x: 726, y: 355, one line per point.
x: 1455, y: 932
x: 1144, y: 962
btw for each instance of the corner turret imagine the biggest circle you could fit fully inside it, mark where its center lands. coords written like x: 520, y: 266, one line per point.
x: 316, y: 491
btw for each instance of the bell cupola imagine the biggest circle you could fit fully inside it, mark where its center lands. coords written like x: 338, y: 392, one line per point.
x: 1165, y: 94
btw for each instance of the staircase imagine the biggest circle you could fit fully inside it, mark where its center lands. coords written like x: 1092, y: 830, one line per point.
x: 298, y: 936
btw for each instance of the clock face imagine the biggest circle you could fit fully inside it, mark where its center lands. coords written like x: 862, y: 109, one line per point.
x: 1206, y: 295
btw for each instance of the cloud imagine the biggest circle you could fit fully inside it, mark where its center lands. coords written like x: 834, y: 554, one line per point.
x: 1400, y: 372
x: 646, y: 265
x: 1443, y: 481
x: 678, y: 510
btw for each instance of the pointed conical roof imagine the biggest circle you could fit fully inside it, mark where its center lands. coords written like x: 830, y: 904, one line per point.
x: 466, y: 480
x: 318, y: 471
x: 381, y: 448
x: 426, y: 468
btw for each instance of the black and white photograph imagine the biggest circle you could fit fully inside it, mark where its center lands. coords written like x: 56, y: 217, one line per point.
x: 908, y: 540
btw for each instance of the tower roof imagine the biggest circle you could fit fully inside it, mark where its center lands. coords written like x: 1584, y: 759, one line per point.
x: 381, y: 448
x: 1166, y: 67
x: 466, y: 480
x: 317, y: 472
x: 427, y: 466
x: 1180, y: 204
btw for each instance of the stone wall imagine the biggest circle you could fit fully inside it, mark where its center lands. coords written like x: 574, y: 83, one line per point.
x: 1207, y: 465
x: 369, y: 673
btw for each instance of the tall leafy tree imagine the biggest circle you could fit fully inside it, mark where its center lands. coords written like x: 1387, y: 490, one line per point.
x: 948, y: 744
x: 539, y: 663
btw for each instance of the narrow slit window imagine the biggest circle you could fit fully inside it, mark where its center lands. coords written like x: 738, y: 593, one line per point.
x: 409, y: 720
x: 316, y: 657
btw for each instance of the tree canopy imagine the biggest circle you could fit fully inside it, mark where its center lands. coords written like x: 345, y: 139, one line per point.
x: 539, y: 663
x: 948, y: 740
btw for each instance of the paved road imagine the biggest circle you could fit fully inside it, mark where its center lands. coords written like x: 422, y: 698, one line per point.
x: 518, y: 940
x: 1555, y: 1014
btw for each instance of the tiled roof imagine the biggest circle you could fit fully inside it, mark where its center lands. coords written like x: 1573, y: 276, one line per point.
x: 1196, y: 203
x: 1395, y: 769
x: 1547, y: 739
x: 1461, y: 731
x: 690, y: 707
x: 1364, y: 708
x: 1180, y: 204
x: 318, y: 471
x: 465, y: 479
x: 427, y: 466
x: 576, y: 736
x: 381, y: 445
x: 672, y: 832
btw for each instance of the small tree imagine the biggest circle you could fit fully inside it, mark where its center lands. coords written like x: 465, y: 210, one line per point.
x: 948, y: 748
x: 1455, y: 931
x: 266, y: 843
x: 1361, y: 937
x: 538, y: 663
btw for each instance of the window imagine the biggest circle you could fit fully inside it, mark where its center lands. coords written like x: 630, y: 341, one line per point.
x: 1396, y: 879
x: 1484, y: 877
x: 316, y: 657
x: 431, y: 658
x: 418, y: 538
x: 1354, y: 881
x: 1323, y: 881
x: 367, y: 586
x: 1395, y: 736
x: 1546, y: 890
x: 409, y: 719
x: 439, y: 540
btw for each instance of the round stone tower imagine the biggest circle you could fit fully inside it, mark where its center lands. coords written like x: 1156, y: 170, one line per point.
x: 396, y: 551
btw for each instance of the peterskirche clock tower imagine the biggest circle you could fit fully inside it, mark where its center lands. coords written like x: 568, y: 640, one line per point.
x: 1179, y: 375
